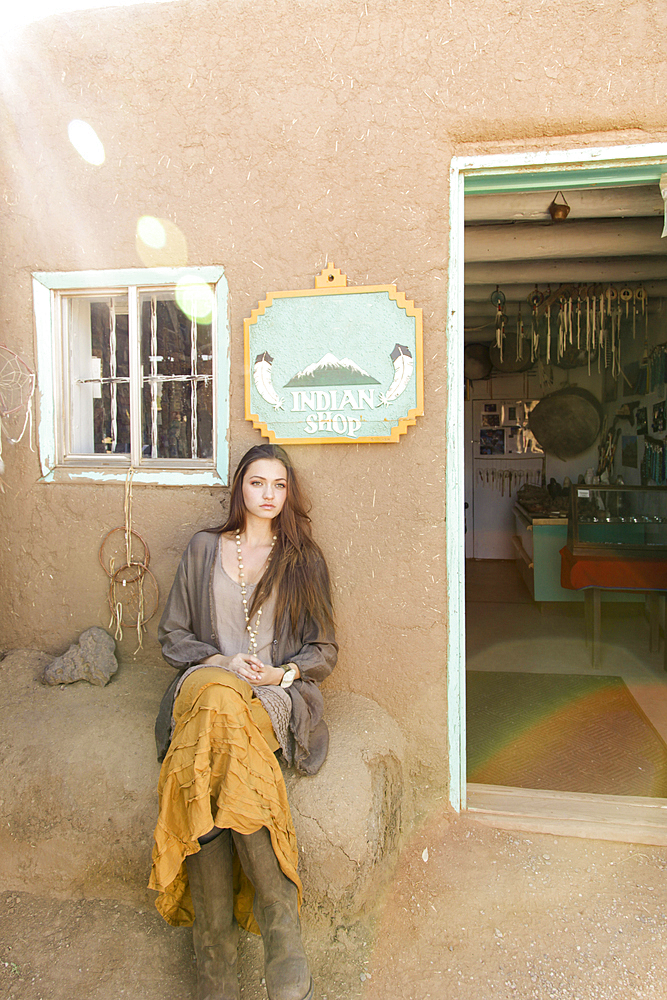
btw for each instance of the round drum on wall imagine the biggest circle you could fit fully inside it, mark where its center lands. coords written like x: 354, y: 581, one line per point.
x: 476, y: 363
x: 567, y: 422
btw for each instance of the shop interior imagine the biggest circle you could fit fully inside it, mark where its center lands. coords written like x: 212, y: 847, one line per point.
x: 566, y: 303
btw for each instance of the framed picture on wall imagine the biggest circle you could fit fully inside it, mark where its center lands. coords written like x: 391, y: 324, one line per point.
x: 492, y: 442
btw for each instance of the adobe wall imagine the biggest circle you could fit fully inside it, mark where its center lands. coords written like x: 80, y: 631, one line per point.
x: 276, y: 137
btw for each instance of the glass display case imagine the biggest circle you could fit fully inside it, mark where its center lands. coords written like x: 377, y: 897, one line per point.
x: 621, y: 522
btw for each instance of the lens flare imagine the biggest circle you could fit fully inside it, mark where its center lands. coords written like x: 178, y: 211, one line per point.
x: 195, y: 298
x: 160, y: 243
x: 84, y: 139
x: 151, y: 231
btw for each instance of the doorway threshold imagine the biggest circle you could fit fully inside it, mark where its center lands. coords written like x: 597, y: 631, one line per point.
x: 626, y: 819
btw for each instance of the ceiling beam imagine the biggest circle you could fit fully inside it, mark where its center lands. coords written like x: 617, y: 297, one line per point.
x: 589, y: 203
x: 578, y: 270
x: 522, y: 241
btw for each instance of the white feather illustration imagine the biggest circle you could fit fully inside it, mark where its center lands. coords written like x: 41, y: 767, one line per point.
x: 262, y: 375
x: 403, y: 367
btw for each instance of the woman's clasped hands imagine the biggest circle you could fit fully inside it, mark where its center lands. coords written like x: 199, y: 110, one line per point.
x: 247, y: 666
x: 252, y: 670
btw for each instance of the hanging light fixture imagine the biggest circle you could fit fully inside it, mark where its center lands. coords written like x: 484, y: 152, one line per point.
x: 559, y: 211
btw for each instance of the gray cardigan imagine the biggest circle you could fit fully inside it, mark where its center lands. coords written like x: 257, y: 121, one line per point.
x: 187, y: 634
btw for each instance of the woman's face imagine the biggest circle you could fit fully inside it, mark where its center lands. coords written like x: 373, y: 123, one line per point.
x: 265, y: 488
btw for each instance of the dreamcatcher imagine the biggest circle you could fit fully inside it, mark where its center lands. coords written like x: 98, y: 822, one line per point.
x: 133, y: 590
x: 581, y: 323
x: 17, y: 388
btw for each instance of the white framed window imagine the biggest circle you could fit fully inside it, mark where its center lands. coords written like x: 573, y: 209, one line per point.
x: 133, y: 373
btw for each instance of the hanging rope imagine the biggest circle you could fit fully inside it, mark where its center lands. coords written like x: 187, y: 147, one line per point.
x: 128, y: 600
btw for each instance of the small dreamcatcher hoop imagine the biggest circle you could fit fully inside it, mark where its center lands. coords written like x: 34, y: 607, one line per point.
x: 118, y: 550
x: 133, y: 590
x: 17, y: 389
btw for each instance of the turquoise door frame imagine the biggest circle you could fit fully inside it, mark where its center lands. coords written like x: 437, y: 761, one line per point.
x: 545, y: 170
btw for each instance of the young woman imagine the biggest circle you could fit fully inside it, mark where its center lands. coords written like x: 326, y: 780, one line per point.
x: 248, y: 624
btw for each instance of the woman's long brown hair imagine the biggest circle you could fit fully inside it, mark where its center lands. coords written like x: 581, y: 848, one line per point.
x: 297, y: 573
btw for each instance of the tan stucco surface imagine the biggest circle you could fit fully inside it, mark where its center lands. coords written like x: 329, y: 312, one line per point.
x: 277, y: 136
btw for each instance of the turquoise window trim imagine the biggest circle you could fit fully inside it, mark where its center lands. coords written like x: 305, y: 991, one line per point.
x: 545, y: 170
x: 46, y: 286
x: 561, y: 180
x: 71, y: 280
x: 541, y: 170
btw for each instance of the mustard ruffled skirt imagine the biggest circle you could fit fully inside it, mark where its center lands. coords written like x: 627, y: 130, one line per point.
x: 220, y: 770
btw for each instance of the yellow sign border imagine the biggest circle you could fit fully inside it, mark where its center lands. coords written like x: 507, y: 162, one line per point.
x: 340, y: 288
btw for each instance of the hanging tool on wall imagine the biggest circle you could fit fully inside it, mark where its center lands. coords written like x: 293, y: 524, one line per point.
x: 509, y: 480
x: 520, y: 334
x: 498, y: 300
x: 607, y: 450
x: 535, y: 300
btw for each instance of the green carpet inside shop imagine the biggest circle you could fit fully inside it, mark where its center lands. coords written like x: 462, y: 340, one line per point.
x: 563, y: 733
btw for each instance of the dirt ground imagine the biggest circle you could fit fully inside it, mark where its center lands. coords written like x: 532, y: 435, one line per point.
x: 470, y: 912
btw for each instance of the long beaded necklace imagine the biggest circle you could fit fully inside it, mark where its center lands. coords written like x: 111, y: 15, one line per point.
x: 252, y: 632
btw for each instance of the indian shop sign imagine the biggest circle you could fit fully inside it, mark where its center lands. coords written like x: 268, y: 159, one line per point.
x: 334, y: 365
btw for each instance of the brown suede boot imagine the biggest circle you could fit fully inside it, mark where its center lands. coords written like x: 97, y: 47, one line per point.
x: 276, y: 911
x: 215, y: 930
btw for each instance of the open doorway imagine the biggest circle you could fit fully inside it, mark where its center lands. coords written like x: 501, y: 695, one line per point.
x: 541, y: 715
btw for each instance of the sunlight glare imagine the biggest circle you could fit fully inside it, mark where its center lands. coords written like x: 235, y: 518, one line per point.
x: 160, y: 243
x: 195, y: 298
x: 84, y: 139
x: 17, y: 16
x: 151, y: 231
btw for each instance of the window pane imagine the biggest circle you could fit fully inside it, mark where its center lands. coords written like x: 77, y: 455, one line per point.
x: 97, y: 363
x: 177, y: 369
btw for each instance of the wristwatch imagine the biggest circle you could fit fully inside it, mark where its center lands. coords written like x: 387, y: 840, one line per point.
x: 288, y: 676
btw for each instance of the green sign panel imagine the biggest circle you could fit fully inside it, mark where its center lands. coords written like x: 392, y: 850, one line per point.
x: 334, y: 365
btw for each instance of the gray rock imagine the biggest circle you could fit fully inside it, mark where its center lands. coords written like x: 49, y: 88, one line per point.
x: 92, y: 658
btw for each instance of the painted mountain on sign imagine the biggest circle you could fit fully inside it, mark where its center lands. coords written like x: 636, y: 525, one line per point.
x: 330, y: 371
